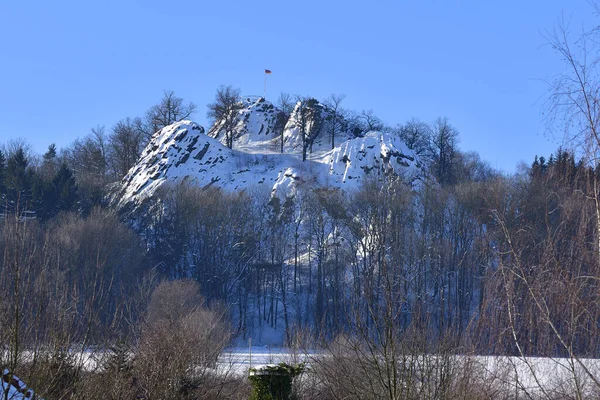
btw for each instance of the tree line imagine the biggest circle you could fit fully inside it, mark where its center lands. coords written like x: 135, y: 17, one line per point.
x: 488, y: 264
x: 300, y: 263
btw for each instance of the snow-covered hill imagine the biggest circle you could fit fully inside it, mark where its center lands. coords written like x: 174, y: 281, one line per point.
x: 183, y: 150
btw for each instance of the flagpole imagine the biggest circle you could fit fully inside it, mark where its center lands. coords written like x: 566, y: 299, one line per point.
x: 267, y: 72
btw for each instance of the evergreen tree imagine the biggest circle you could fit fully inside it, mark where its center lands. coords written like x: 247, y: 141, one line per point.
x: 41, y: 196
x: 50, y: 197
x: 2, y: 175
x: 49, y: 163
x: 64, y: 189
x: 314, y: 109
x: 18, y: 182
x: 43, y: 193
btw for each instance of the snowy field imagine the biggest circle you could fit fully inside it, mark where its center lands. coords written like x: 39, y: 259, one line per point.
x: 535, y: 376
x: 528, y: 373
x: 522, y: 377
x: 238, y: 360
x: 532, y: 376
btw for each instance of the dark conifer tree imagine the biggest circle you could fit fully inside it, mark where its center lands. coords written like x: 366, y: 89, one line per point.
x: 49, y: 163
x: 50, y: 197
x: 18, y: 182
x: 41, y: 196
x: 2, y: 174
x: 64, y: 189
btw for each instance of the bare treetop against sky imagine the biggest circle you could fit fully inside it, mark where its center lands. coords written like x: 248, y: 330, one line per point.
x: 68, y: 66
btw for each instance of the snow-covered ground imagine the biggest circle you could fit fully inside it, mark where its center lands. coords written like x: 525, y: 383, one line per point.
x: 240, y: 359
x: 540, y: 377
x: 523, y: 377
x: 535, y: 376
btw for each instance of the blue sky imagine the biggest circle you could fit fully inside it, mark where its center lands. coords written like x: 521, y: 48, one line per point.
x: 68, y: 66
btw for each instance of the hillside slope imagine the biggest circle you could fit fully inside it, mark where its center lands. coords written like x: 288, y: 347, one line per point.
x: 184, y: 151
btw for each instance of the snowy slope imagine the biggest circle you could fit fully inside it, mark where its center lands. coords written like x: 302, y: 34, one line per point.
x: 258, y: 124
x: 182, y: 150
x: 318, y: 123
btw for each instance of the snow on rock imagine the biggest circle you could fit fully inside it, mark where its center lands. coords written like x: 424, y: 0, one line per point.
x: 183, y: 151
x: 376, y: 153
x: 258, y: 123
x: 317, y: 120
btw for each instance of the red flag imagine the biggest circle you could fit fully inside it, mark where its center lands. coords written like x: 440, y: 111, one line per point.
x: 268, y: 71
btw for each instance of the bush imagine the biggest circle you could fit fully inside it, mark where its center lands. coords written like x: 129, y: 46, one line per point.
x: 180, y: 342
x: 273, y: 382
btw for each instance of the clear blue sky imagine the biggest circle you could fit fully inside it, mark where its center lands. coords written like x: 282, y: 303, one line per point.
x: 67, y: 66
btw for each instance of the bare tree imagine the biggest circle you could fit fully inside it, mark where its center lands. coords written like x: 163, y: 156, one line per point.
x: 180, y: 343
x: 549, y: 265
x: 126, y: 144
x: 575, y: 97
x: 548, y: 274
x: 18, y: 144
x: 171, y: 109
x: 286, y: 104
x: 383, y: 354
x: 63, y: 290
x: 336, y: 116
x: 89, y: 159
x: 416, y: 135
x: 370, y: 122
x: 224, y: 111
x: 443, y: 150
x: 550, y: 261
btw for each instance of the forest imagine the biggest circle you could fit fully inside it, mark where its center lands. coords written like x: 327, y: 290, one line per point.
x: 468, y: 261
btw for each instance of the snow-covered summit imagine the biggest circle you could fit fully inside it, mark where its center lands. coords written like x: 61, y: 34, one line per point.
x: 183, y: 151
x: 258, y: 124
x: 317, y: 122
